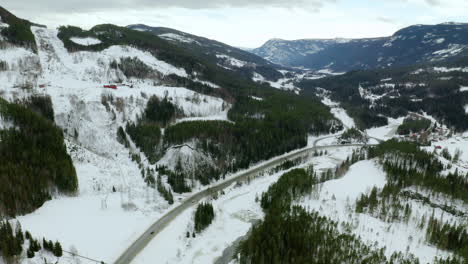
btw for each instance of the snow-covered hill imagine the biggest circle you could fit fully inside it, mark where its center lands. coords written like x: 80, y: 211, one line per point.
x: 113, y: 198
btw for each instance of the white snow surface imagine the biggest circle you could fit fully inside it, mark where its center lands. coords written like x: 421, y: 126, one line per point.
x: 386, y: 132
x: 464, y: 89
x: 339, y: 112
x: 177, y: 37
x: 89, y: 41
x: 232, y: 61
x: 445, y: 69
x: 282, y: 83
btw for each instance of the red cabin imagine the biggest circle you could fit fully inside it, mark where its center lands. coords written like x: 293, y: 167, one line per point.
x: 438, y: 147
x: 111, y: 86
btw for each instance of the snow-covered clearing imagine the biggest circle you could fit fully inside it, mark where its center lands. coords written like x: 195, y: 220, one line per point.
x: 464, y: 89
x: 86, y: 41
x: 339, y: 112
x: 445, y: 69
x: 453, y: 144
x: 282, y: 83
x: 232, y: 61
x: 177, y: 37
x: 330, y: 72
x: 386, y: 132
x: 336, y: 199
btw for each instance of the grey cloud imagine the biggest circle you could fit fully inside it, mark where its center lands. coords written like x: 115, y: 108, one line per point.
x: 385, y: 19
x: 433, y: 2
x: 72, y: 6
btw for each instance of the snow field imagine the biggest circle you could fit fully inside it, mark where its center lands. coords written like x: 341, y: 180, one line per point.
x: 86, y: 41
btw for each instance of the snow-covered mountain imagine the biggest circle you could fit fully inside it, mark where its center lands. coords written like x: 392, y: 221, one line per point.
x: 228, y: 57
x: 414, y: 44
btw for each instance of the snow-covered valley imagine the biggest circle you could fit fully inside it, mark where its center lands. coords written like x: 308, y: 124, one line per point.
x: 116, y: 207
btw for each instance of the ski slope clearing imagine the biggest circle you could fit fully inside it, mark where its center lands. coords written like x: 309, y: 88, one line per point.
x: 339, y: 112
x: 336, y: 199
x: 86, y: 41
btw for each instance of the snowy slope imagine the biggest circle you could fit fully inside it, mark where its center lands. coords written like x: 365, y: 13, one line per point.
x: 98, y: 222
x: 336, y: 199
x: 235, y: 212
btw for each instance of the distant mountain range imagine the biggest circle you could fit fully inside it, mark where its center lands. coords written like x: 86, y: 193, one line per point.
x: 411, y: 45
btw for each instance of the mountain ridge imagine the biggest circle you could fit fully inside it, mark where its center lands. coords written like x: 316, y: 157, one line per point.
x: 413, y: 44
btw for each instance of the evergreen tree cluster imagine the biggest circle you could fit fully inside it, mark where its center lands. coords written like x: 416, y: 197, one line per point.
x: 34, y: 161
x: 146, y: 133
x: 289, y: 187
x: 353, y: 134
x: 147, y: 137
x: 41, y: 104
x: 406, y: 165
x: 162, y: 111
x: 54, y: 248
x: 133, y: 67
x: 297, y: 236
x: 448, y: 236
x: 19, y: 30
x: 12, y: 243
x: 166, y: 193
x: 204, y: 215
x: 410, y: 126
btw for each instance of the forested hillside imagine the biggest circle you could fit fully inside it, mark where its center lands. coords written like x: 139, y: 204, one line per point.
x: 35, y: 164
x: 370, y: 96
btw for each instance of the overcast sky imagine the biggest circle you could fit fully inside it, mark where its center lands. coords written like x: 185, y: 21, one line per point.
x: 248, y: 23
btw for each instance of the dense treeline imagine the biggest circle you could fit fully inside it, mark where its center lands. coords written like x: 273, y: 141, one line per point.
x: 406, y: 165
x: 12, y: 243
x: 204, y: 215
x: 146, y: 133
x: 41, y: 104
x: 413, y: 126
x: 35, y: 162
x: 297, y: 236
x: 448, y: 236
x: 132, y: 67
x: 19, y: 30
x: 289, y: 187
x: 161, y: 111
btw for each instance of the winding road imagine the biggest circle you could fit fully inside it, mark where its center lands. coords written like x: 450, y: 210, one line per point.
x: 139, y: 244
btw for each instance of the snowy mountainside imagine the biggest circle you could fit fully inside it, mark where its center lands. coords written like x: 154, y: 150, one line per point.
x: 74, y: 82
x: 228, y: 57
x: 414, y: 44
x: 373, y: 96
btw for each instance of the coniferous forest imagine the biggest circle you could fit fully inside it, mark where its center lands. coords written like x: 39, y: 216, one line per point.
x: 35, y: 163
